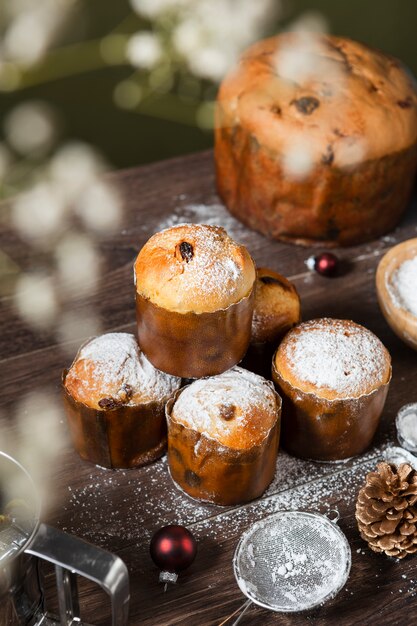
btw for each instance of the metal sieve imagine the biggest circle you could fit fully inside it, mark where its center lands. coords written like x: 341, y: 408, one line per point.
x: 292, y: 561
x: 406, y: 423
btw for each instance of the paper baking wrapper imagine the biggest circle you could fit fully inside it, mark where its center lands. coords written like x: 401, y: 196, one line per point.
x: 329, y: 207
x: 212, y: 472
x: 128, y: 436
x: 328, y: 430
x: 193, y: 345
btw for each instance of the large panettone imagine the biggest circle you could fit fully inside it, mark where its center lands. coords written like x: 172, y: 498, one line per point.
x: 316, y: 140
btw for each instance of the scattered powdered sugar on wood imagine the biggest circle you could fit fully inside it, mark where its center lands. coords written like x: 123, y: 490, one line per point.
x: 236, y: 408
x: 317, y: 495
x: 403, y: 286
x: 121, y: 509
x: 397, y: 455
x: 114, y: 361
x: 331, y: 355
x: 214, y: 214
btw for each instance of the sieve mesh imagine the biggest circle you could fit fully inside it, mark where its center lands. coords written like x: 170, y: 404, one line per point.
x: 292, y: 561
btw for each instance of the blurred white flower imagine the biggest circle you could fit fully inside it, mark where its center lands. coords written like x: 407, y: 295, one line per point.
x: 127, y: 94
x: 144, y: 50
x: 38, y: 416
x: 77, y: 265
x: 298, y: 158
x: 26, y: 39
x: 209, y: 34
x: 35, y: 300
x: 31, y: 127
x: 32, y: 28
x: 350, y: 151
x: 212, y: 33
x: 306, y: 58
x: 40, y: 439
x: 154, y: 8
x: 310, y: 21
x: 77, y: 326
x: 39, y: 214
x: 75, y: 166
x: 211, y: 63
x: 187, y: 37
x: 100, y: 207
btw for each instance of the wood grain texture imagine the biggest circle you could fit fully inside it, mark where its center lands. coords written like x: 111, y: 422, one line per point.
x: 119, y: 510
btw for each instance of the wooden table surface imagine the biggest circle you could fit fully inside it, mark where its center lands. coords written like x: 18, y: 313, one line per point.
x: 120, y: 510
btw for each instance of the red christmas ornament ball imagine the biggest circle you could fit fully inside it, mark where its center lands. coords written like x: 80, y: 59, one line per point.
x: 326, y: 264
x: 173, y: 548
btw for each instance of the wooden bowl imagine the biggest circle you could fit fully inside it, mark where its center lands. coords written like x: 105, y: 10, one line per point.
x: 402, y: 322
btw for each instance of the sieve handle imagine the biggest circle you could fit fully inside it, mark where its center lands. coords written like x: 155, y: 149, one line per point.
x: 72, y: 556
x: 245, y: 607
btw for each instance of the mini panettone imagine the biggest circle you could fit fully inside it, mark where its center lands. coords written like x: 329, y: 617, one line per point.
x: 334, y: 377
x: 316, y: 140
x: 115, y: 400
x: 223, y: 436
x: 194, y: 300
x: 277, y: 309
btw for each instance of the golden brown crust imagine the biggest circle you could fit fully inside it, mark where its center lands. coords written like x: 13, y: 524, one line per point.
x: 334, y: 377
x: 333, y: 359
x: 111, y: 371
x: 362, y: 91
x: 328, y: 430
x: 194, y: 268
x: 277, y: 307
x: 359, y: 179
x: 209, y: 471
x: 237, y: 409
x: 123, y: 437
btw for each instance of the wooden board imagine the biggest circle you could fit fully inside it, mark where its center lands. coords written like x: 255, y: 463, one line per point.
x: 119, y: 510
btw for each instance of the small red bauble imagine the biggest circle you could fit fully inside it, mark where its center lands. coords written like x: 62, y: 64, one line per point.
x: 326, y: 264
x: 173, y: 548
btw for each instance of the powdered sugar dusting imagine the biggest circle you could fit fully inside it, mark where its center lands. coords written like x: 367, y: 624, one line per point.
x: 234, y: 406
x: 124, y: 508
x: 216, y: 273
x: 212, y: 213
x: 346, y: 359
x: 293, y: 561
x: 117, y: 361
x: 403, y: 286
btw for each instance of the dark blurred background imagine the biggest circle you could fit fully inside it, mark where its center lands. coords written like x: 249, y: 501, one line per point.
x: 82, y: 86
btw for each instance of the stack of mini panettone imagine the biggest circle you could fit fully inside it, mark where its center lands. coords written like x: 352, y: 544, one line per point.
x: 386, y: 510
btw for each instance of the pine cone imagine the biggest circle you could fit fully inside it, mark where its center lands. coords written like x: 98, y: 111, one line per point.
x: 386, y: 510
